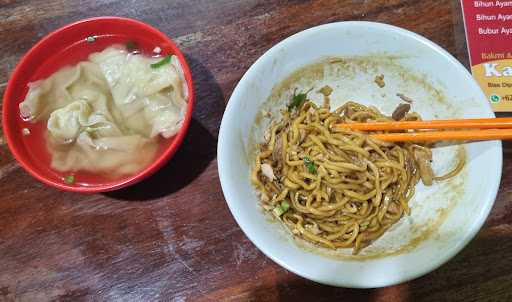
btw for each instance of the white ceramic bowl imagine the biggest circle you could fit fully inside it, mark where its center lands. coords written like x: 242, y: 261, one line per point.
x: 444, y: 217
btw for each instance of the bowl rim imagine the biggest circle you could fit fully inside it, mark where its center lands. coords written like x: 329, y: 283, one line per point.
x: 155, y: 165
x: 325, y: 279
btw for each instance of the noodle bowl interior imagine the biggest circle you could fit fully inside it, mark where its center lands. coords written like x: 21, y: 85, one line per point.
x: 333, y: 187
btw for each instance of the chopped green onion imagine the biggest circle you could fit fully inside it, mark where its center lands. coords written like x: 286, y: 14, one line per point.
x: 285, y: 206
x: 90, y: 39
x: 281, y: 209
x: 162, y: 62
x: 131, y: 45
x: 278, y: 211
x: 297, y: 100
x: 91, y: 129
x: 69, y: 179
x: 310, y: 165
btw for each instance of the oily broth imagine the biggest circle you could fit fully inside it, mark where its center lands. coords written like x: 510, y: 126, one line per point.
x: 36, y: 141
x: 81, y: 50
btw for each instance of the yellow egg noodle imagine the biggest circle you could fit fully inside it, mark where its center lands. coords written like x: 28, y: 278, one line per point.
x: 334, y: 187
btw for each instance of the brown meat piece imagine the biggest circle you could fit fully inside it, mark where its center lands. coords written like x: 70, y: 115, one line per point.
x: 423, y: 159
x: 400, y: 111
x: 379, y: 80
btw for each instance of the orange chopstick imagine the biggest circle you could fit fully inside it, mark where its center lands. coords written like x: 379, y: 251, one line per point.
x: 482, y: 123
x: 489, y: 134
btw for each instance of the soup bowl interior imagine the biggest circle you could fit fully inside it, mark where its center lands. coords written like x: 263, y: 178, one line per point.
x: 68, y: 46
x: 347, y: 57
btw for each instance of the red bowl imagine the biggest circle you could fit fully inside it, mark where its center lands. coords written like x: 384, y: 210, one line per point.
x: 67, y: 46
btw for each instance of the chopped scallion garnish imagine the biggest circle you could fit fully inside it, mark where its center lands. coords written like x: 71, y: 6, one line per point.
x: 297, y: 100
x: 69, y: 179
x: 285, y: 206
x: 281, y: 209
x: 91, y: 129
x: 162, y: 62
x: 131, y: 45
x: 278, y: 211
x: 310, y: 165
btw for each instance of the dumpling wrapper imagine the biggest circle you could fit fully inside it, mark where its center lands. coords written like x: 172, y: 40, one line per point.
x: 113, y: 156
x: 82, y: 136
x: 61, y: 88
x: 155, y: 96
x: 66, y: 123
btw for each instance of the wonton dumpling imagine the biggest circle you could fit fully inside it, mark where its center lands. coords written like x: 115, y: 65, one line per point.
x: 135, y: 85
x: 165, y: 117
x: 119, y: 155
x: 65, y: 124
x: 60, y: 89
x: 131, y: 76
x: 184, y: 89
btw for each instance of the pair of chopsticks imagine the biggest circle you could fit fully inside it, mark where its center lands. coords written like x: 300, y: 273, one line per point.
x: 481, y: 129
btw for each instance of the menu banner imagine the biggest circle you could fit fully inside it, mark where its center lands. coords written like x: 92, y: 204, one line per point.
x: 489, y: 38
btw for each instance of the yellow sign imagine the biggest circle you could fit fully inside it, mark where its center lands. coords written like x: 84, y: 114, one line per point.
x: 495, y: 79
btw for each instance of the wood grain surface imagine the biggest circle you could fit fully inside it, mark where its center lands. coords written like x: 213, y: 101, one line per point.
x: 172, y: 237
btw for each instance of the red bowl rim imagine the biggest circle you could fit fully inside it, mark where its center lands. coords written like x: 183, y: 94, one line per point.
x: 149, y: 170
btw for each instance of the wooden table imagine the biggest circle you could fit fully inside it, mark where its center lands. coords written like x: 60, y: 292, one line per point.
x: 172, y: 238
